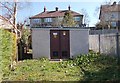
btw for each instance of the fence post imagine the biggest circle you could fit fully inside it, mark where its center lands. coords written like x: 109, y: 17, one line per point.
x: 99, y: 41
x: 117, y: 47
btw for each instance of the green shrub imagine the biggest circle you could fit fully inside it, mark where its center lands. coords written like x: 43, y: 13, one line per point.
x: 7, y: 50
x: 44, y: 59
x: 84, y: 60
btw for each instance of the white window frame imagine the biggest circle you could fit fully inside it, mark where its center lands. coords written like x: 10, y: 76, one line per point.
x: 36, y: 21
x: 77, y: 18
x: 48, y: 20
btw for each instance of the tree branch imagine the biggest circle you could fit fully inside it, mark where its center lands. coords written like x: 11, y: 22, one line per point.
x: 4, y: 6
x: 6, y: 20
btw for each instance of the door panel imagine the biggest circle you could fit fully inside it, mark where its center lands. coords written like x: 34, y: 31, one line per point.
x: 59, y: 44
x: 64, y: 43
x: 54, y: 44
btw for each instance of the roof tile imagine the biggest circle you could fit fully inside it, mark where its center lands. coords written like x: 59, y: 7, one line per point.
x: 48, y: 14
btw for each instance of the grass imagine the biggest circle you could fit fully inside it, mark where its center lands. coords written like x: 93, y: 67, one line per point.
x: 91, y: 67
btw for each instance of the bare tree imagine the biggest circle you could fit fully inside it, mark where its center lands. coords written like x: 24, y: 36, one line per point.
x: 86, y: 18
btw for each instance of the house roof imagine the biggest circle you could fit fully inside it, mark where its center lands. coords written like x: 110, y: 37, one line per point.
x: 109, y: 8
x: 48, y: 14
x: 112, y: 8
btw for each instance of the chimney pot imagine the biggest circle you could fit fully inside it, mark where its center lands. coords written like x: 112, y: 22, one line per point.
x: 114, y: 3
x: 56, y: 8
x: 44, y: 9
x: 69, y: 7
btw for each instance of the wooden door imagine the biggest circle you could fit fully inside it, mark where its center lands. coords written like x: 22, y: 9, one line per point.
x: 64, y: 44
x: 59, y: 44
x: 54, y: 44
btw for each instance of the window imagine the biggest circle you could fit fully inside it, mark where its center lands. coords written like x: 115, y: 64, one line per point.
x: 48, y: 19
x: 112, y: 16
x: 113, y: 24
x: 64, y: 54
x: 55, y: 54
x: 77, y: 18
x: 35, y: 20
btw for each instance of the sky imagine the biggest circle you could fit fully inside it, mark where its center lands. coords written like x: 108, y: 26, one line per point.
x: 36, y: 6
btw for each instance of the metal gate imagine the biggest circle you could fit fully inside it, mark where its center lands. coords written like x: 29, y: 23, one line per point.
x: 59, y: 44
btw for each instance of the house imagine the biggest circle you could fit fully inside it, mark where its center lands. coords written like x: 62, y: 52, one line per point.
x: 110, y: 14
x: 53, y: 18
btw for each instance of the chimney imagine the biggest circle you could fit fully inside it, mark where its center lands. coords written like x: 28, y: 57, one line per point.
x: 44, y: 9
x: 114, y: 3
x: 69, y: 7
x: 56, y: 8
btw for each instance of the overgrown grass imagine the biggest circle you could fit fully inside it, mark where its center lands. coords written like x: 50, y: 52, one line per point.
x: 88, y: 67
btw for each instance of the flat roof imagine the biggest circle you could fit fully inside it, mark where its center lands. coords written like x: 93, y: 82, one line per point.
x: 65, y: 28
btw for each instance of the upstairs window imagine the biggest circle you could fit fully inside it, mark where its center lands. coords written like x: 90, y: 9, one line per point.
x: 48, y: 20
x: 113, y: 16
x: 77, y: 18
x: 35, y: 20
x: 113, y: 24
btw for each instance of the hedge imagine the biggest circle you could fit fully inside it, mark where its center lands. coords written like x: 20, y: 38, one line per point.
x: 7, y: 51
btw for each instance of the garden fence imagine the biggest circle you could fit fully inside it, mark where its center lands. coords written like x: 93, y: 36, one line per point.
x: 108, y: 44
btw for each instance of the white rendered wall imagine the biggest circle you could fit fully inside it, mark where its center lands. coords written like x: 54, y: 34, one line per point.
x: 79, y: 43
x: 41, y: 43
